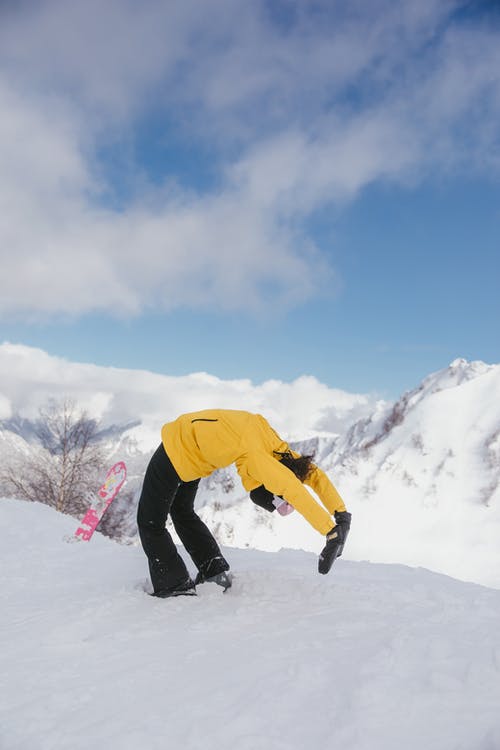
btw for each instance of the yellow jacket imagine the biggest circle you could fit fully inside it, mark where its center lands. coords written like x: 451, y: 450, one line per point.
x: 200, y: 442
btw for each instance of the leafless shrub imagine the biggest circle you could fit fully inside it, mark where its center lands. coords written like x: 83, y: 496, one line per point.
x: 64, y: 466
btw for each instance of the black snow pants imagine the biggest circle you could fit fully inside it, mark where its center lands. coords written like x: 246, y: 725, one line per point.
x: 164, y: 493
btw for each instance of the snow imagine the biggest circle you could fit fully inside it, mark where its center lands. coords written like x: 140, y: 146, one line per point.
x: 370, y: 657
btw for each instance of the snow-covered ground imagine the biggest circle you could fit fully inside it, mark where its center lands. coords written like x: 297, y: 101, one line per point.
x: 370, y: 657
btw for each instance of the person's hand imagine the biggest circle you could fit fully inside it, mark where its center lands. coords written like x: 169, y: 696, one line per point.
x: 335, y: 540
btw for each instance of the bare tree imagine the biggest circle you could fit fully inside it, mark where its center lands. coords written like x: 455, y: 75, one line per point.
x: 65, y: 464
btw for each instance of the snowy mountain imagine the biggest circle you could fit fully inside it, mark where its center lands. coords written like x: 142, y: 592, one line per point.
x: 370, y: 657
x: 441, y: 438
x: 428, y: 468
x: 421, y: 475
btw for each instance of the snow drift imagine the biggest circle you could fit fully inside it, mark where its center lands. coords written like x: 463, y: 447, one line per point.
x: 370, y: 657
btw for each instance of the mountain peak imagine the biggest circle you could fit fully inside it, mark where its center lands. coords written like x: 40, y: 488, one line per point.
x: 471, y: 369
x: 459, y: 371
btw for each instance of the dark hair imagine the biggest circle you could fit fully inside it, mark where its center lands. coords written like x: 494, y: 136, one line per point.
x: 301, y: 466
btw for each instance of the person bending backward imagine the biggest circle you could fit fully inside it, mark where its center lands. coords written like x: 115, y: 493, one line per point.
x: 195, y: 445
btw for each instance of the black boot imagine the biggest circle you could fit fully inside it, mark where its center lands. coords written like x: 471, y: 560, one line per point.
x: 215, y: 571
x: 185, y: 588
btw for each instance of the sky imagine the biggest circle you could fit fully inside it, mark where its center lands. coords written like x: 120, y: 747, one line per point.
x: 255, y: 190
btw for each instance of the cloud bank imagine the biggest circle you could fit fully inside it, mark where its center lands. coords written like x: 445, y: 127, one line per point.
x: 30, y: 377
x: 299, y: 105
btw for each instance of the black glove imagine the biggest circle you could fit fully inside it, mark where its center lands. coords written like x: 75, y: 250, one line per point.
x: 263, y: 498
x: 335, y: 540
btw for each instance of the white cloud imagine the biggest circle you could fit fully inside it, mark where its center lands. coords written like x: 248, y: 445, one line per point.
x: 295, y: 173
x: 30, y: 377
x: 300, y: 112
x: 61, y: 253
x: 105, y: 57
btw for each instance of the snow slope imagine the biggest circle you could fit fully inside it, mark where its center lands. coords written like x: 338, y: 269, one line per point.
x: 426, y: 473
x: 371, y: 657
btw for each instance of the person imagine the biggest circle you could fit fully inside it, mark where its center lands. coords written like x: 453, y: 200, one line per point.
x: 195, y: 445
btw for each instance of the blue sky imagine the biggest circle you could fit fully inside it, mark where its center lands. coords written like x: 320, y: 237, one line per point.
x: 258, y: 190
